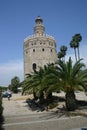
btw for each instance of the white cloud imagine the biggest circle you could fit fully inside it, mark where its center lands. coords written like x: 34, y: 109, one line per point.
x: 83, y: 54
x: 83, y: 51
x: 9, y: 70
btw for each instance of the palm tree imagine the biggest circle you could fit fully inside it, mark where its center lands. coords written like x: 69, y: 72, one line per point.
x: 60, y: 55
x: 34, y: 82
x: 75, y: 44
x: 38, y: 78
x: 77, y: 38
x: 63, y: 50
x: 63, y: 76
x: 68, y: 78
x: 72, y: 77
x: 1, y: 110
x: 48, y: 81
x: 27, y: 84
x: 37, y: 82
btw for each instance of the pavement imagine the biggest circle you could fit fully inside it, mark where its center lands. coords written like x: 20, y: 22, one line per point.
x: 18, y: 116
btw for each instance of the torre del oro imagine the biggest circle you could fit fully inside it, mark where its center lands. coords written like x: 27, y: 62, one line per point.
x: 39, y: 49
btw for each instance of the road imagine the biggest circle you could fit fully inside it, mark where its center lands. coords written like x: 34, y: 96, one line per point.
x: 18, y: 116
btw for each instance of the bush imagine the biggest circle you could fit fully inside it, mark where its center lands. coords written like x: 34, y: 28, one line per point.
x: 1, y: 108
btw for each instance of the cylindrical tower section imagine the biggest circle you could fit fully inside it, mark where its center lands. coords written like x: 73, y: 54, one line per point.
x: 39, y: 29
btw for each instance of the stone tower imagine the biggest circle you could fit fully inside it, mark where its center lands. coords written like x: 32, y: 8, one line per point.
x: 39, y: 49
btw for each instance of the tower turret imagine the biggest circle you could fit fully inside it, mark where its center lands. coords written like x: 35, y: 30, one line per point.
x: 39, y: 29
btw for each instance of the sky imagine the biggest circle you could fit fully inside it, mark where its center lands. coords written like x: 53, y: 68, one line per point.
x: 62, y: 19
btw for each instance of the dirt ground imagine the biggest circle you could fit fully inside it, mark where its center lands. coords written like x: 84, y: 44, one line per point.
x: 17, y: 104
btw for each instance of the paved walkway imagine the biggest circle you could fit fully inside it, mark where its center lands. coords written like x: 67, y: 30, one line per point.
x: 19, y: 117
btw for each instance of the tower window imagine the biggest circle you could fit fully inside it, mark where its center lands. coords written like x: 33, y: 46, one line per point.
x: 26, y: 52
x: 37, y: 31
x: 34, y: 66
x: 43, y: 49
x: 51, y: 50
x: 33, y: 50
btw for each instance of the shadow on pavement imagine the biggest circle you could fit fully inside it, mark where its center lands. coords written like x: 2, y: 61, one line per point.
x: 1, y: 123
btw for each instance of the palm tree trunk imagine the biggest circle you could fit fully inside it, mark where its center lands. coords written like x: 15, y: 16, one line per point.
x: 41, y: 98
x: 35, y: 96
x: 78, y: 54
x: 70, y: 101
x: 75, y: 54
x: 49, y: 98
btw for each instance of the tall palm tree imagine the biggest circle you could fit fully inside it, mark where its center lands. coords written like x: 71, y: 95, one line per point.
x: 60, y: 55
x: 77, y: 38
x: 74, y: 45
x: 63, y: 50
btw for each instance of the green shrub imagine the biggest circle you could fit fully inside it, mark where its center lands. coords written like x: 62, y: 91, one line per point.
x: 1, y: 108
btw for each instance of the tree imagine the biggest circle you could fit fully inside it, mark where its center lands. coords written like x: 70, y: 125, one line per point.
x: 37, y: 83
x: 15, y: 83
x: 62, y: 52
x: 1, y: 108
x: 34, y: 82
x: 63, y: 76
x: 63, y: 48
x: 75, y: 44
x: 38, y: 78
x: 68, y: 78
x: 60, y: 55
x: 50, y: 80
x: 77, y: 38
x: 72, y: 77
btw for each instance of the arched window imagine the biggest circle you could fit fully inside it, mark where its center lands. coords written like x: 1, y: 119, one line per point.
x: 34, y: 66
x: 43, y: 49
x: 51, y: 50
x: 33, y: 50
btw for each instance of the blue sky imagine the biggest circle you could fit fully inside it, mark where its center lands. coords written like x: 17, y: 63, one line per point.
x: 61, y: 18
